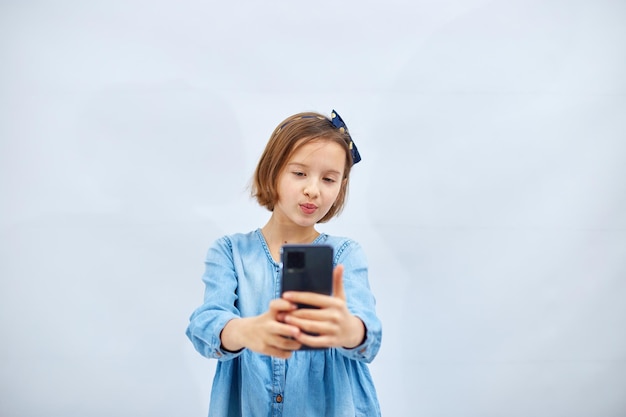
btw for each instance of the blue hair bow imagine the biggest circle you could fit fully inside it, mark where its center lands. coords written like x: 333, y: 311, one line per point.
x: 338, y: 122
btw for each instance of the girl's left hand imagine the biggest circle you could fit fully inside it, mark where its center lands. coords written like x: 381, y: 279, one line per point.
x: 333, y: 323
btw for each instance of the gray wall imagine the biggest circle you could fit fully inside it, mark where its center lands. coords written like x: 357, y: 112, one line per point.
x: 491, y: 199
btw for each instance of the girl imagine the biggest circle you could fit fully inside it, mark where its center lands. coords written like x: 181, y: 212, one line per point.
x: 254, y: 333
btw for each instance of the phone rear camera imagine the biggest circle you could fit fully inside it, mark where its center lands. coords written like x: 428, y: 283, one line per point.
x: 295, y: 260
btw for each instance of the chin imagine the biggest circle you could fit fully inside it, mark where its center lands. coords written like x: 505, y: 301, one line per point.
x: 308, y: 222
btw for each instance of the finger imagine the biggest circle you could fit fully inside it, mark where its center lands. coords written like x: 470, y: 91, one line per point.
x: 338, y: 290
x: 286, y: 343
x: 280, y: 304
x: 318, y: 328
x: 317, y: 314
x: 285, y: 330
x: 319, y: 322
x: 316, y: 341
x: 309, y: 298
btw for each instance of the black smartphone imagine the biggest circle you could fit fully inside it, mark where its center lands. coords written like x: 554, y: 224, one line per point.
x: 307, y: 268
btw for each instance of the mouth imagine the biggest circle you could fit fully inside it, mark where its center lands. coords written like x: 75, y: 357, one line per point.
x: 308, y: 208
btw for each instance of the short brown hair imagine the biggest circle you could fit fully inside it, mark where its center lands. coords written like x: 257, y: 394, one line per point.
x: 291, y: 134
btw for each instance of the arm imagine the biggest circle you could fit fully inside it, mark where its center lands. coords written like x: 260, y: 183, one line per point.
x: 219, y: 307
x: 217, y: 329
x: 361, y: 301
x: 263, y: 333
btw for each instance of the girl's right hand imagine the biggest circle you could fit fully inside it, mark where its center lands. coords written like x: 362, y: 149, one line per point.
x: 263, y: 333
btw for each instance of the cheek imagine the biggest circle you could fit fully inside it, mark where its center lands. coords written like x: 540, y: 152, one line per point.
x: 336, y: 194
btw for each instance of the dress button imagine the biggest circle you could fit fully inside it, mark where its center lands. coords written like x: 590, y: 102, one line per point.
x: 279, y: 398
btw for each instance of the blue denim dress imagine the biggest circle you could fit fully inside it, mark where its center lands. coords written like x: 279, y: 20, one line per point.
x: 241, y: 278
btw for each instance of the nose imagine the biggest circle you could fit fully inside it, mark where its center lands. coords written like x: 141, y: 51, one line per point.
x: 311, y: 189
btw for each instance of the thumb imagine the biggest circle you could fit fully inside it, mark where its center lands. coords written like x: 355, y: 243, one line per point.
x: 338, y: 290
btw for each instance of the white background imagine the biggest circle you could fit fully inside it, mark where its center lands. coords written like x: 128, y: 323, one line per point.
x: 491, y: 199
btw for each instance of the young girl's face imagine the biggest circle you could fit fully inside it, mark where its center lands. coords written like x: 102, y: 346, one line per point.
x: 310, y: 183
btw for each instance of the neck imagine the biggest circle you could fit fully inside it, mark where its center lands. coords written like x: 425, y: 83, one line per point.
x: 278, y: 235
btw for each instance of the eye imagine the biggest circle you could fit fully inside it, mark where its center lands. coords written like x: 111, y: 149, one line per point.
x: 298, y: 173
x: 329, y: 180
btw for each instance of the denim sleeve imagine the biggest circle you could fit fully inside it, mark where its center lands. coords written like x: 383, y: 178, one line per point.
x: 361, y: 301
x: 219, y: 307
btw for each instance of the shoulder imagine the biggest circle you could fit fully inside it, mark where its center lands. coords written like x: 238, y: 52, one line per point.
x: 236, y: 239
x: 233, y: 241
x: 239, y: 243
x: 343, y: 246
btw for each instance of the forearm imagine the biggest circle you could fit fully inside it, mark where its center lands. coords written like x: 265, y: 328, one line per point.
x: 231, y: 335
x: 356, y: 335
x: 204, y: 331
x: 367, y: 350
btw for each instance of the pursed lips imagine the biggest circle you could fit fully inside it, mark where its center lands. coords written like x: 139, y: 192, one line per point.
x: 308, y: 207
